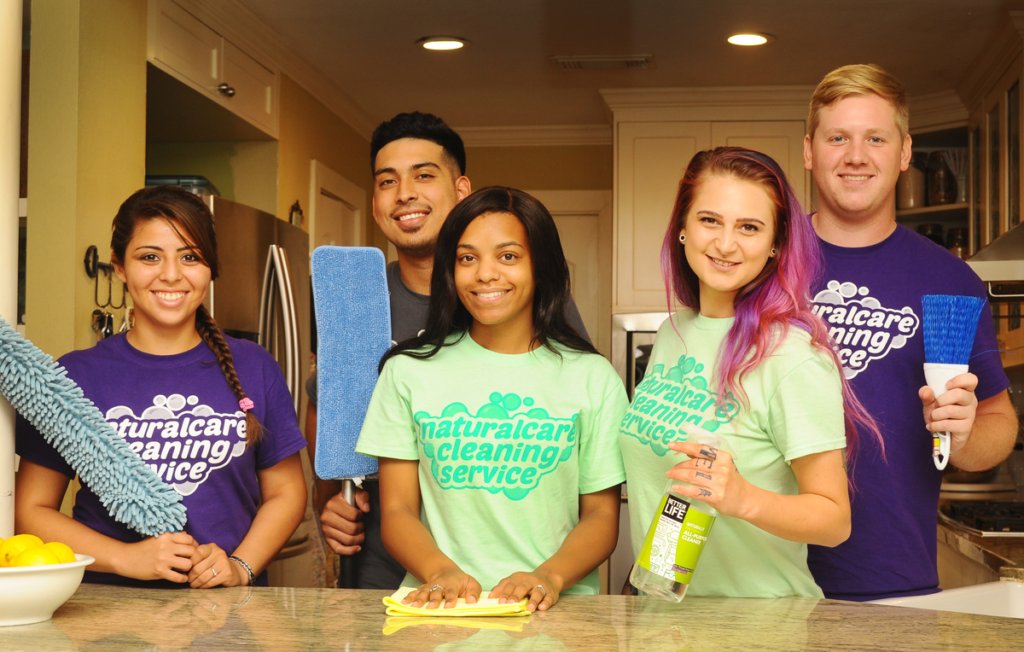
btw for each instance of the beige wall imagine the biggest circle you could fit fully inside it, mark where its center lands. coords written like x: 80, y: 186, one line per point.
x: 242, y: 171
x: 309, y: 130
x: 576, y: 167
x: 87, y: 132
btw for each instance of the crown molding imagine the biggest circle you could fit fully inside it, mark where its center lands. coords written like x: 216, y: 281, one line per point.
x: 994, y: 59
x: 720, y: 102
x: 236, y: 23
x: 937, y: 111
x: 553, y: 135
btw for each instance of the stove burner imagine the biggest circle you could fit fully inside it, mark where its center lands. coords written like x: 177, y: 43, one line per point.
x: 989, y: 516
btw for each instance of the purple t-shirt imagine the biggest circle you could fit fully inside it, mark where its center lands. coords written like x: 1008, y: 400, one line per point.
x: 870, y: 298
x: 178, y: 413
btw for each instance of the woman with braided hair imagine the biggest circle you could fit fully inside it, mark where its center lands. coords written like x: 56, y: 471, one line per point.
x: 210, y: 414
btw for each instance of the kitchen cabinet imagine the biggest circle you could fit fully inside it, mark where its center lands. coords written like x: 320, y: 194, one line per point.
x: 995, y: 135
x: 650, y: 159
x: 948, y: 216
x: 195, y: 54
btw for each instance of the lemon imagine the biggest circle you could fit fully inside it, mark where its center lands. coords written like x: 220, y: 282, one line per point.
x: 36, y: 557
x: 14, y: 546
x: 63, y: 551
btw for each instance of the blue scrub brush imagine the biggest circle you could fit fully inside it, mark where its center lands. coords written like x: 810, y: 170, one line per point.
x: 40, y: 390
x: 950, y: 323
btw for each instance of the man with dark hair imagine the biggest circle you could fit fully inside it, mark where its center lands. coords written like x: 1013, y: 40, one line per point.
x: 419, y: 166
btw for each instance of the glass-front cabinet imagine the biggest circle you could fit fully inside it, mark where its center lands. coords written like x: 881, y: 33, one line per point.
x: 995, y: 131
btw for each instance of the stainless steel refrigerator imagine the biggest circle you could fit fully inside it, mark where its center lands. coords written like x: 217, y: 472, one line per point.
x: 262, y: 293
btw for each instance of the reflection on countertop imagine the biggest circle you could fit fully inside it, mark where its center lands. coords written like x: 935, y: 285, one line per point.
x: 285, y: 620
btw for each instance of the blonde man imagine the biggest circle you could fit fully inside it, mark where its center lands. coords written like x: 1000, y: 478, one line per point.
x: 870, y: 298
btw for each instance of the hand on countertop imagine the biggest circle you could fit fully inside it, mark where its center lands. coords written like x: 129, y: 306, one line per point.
x: 209, y: 558
x: 542, y: 588
x: 166, y: 557
x: 447, y: 587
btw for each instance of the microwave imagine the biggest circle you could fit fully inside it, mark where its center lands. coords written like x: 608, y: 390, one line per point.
x: 632, y: 339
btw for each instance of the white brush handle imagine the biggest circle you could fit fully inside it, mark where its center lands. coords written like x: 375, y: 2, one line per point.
x: 937, y: 375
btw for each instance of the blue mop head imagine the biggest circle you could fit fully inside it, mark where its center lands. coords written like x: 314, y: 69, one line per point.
x: 40, y: 390
x: 950, y: 323
x: 353, y: 328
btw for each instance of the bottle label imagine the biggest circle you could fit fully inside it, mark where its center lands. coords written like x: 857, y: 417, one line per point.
x: 675, y: 540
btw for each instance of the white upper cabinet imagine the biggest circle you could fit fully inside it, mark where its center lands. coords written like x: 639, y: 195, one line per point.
x: 656, y: 135
x: 195, y: 54
x: 255, y: 88
x: 651, y: 160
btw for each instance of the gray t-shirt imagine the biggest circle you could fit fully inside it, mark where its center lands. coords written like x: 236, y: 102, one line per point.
x: 409, y: 316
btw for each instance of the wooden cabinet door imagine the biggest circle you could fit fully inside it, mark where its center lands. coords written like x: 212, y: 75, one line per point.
x: 997, y: 126
x: 254, y: 86
x: 651, y: 159
x: 782, y: 140
x: 186, y: 46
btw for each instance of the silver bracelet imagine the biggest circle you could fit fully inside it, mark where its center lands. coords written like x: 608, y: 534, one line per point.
x: 248, y: 569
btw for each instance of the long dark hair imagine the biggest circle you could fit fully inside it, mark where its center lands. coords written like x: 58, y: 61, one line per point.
x: 447, y: 314
x: 189, y: 217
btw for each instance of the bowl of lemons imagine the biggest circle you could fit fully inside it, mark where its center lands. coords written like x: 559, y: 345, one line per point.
x: 36, y: 578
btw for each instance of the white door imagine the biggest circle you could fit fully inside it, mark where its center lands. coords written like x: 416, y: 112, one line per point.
x: 336, y: 221
x: 336, y: 209
x: 583, y: 219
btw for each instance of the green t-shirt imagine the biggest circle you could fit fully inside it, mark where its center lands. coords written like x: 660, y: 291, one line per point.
x: 795, y: 408
x: 506, y: 445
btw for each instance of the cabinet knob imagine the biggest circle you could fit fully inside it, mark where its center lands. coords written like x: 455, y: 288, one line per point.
x: 227, y: 90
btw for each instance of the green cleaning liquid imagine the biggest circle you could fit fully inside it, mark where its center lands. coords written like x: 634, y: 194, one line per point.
x: 676, y: 538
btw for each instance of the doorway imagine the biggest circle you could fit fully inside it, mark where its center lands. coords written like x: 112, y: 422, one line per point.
x: 584, y: 221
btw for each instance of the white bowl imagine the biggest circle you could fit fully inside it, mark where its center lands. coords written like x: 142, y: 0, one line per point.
x: 30, y: 594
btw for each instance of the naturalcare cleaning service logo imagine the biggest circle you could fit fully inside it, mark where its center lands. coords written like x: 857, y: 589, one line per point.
x: 667, y: 405
x: 862, y: 329
x: 498, y: 449
x: 182, y: 446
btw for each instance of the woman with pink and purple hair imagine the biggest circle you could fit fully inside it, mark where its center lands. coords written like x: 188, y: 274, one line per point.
x: 744, y: 358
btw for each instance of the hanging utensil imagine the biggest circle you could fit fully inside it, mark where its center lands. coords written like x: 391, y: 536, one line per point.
x: 108, y: 325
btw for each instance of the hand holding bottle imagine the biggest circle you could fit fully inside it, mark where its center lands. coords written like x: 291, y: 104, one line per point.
x: 713, y: 478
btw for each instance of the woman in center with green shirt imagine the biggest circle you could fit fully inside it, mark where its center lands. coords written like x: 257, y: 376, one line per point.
x: 498, y: 423
x: 744, y: 358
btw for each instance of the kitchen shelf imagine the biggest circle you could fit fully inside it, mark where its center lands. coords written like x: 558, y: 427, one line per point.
x: 930, y: 210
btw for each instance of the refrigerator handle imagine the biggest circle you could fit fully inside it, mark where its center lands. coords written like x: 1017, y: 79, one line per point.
x: 291, y: 327
x: 265, y: 302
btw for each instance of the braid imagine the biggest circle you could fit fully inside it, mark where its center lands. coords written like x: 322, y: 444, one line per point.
x: 214, y: 339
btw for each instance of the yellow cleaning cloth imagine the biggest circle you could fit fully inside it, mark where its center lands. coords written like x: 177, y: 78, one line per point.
x: 392, y: 625
x: 483, y: 607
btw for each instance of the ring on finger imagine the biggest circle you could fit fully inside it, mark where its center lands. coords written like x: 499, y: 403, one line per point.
x: 541, y: 587
x: 214, y: 571
x: 437, y: 587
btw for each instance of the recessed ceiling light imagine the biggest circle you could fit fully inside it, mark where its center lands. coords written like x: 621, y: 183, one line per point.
x: 442, y: 42
x: 749, y: 39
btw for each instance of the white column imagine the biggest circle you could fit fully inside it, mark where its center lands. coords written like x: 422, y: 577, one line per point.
x: 10, y: 147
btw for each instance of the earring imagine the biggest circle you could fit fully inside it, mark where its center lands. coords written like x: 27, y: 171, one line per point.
x: 774, y: 252
x: 682, y: 238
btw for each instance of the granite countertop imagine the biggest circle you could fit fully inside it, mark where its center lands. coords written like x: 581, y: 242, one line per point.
x: 291, y: 620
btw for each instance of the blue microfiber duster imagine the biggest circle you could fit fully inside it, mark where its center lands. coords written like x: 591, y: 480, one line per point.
x: 40, y: 390
x: 950, y: 324
x: 353, y: 327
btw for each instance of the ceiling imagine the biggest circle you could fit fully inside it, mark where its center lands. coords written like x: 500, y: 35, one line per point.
x: 506, y: 77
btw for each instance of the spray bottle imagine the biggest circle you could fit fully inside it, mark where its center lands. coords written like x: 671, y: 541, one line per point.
x: 676, y: 538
